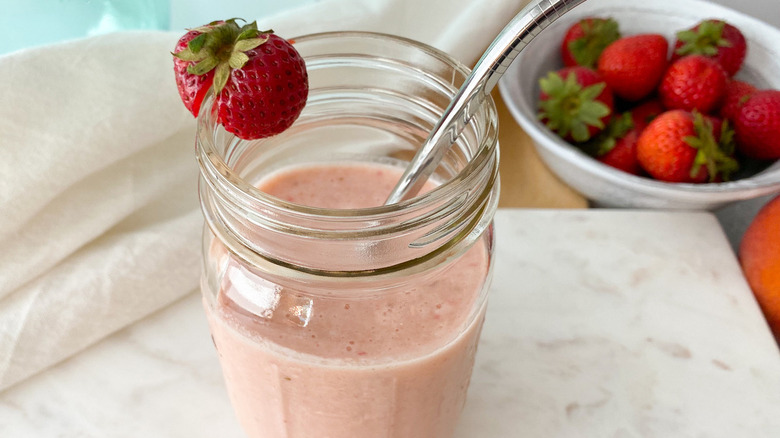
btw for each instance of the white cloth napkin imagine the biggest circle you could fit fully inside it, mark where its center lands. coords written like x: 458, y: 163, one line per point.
x: 99, y: 221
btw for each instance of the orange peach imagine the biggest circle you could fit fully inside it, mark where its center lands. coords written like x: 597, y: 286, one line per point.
x: 759, y: 255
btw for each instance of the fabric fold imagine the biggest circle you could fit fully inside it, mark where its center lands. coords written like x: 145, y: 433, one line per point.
x: 91, y: 206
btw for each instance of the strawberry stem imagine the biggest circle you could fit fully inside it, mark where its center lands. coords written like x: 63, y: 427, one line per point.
x: 221, y: 47
x: 705, y: 40
x: 571, y: 108
x: 598, y: 33
x: 711, y: 153
x: 617, y: 127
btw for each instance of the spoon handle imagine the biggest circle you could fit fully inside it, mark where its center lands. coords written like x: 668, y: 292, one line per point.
x: 526, y: 25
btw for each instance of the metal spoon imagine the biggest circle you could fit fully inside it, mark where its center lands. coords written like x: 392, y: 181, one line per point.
x: 526, y: 25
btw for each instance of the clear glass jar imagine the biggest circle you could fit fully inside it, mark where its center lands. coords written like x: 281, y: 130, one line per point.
x: 359, y: 322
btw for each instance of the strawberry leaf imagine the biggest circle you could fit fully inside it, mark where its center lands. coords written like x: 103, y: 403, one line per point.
x: 727, y: 142
x: 238, y: 59
x: 593, y: 91
x: 189, y: 55
x: 579, y: 131
x: 244, y: 45
x: 710, y: 152
x: 592, y: 112
x: 570, y: 109
x: 221, y: 35
x: 203, y: 67
x: 247, y: 33
x: 597, y: 35
x: 605, y: 141
x: 704, y: 40
x: 197, y: 43
x: 221, y: 76
x: 204, y: 29
x: 605, y: 146
x: 701, y: 156
x: 551, y: 83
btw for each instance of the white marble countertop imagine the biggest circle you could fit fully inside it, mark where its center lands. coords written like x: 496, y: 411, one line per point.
x: 601, y: 323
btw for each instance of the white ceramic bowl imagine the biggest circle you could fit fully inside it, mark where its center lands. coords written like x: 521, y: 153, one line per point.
x: 603, y: 184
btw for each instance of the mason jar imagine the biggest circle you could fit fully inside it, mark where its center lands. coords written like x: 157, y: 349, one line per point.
x: 334, y: 315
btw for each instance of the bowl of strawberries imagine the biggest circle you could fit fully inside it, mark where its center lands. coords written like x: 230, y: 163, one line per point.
x: 671, y: 104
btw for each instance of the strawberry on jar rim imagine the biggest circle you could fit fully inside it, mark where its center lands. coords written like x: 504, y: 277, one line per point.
x: 259, y: 80
x: 714, y: 39
x: 632, y: 66
x: 683, y: 147
x: 192, y: 88
x: 575, y: 103
x: 757, y: 125
x: 693, y: 82
x: 586, y: 39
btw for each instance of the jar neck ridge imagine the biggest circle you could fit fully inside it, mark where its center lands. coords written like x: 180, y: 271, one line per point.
x: 360, y: 101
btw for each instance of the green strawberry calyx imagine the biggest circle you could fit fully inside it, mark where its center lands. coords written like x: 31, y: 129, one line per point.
x: 616, y: 129
x: 221, y: 47
x: 598, y: 33
x: 570, y: 108
x: 704, y: 40
x: 715, y: 155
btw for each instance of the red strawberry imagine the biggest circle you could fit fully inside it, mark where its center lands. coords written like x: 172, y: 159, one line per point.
x: 681, y: 147
x: 586, y: 39
x: 192, y: 88
x: 259, y: 79
x: 643, y: 114
x: 575, y: 103
x: 623, y: 154
x: 757, y: 125
x: 632, y: 66
x: 736, y: 94
x: 715, y: 39
x: 692, y: 83
x: 618, y: 147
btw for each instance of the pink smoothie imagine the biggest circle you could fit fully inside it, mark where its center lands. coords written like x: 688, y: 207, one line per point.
x: 395, y: 365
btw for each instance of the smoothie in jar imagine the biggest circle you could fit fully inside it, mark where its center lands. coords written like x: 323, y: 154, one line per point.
x: 334, y: 315
x: 351, y: 362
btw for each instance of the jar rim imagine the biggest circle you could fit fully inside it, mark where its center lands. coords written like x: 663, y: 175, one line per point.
x: 214, y: 164
x: 431, y: 228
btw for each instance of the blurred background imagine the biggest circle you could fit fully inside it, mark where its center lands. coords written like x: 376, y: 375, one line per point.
x: 68, y: 19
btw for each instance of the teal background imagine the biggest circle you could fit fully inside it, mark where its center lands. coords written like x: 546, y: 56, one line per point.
x: 29, y: 23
